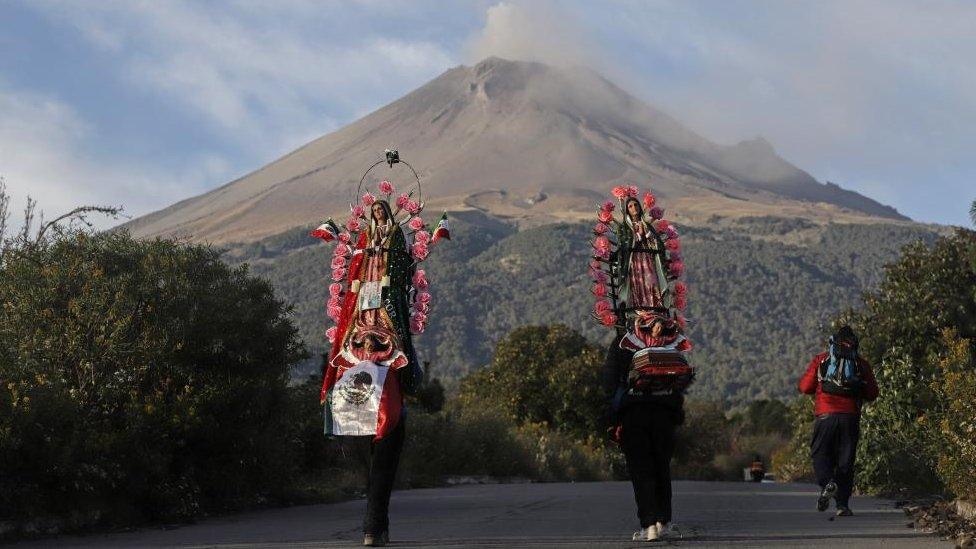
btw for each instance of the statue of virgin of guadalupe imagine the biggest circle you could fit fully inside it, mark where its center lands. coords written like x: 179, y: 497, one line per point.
x: 378, y: 301
x: 374, y: 323
x: 640, y: 262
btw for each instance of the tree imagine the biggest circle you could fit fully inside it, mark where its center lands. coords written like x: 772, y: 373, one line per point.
x: 545, y: 375
x: 141, y: 379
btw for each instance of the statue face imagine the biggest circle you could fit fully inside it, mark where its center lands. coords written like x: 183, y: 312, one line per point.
x: 379, y: 213
x: 633, y: 209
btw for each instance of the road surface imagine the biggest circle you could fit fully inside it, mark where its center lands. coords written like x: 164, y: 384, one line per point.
x: 598, y: 514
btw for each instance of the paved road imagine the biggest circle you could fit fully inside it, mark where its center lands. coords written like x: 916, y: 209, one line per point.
x: 707, y: 514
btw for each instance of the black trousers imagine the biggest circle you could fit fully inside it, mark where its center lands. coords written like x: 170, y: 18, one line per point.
x: 384, y: 458
x: 833, y: 449
x: 648, y: 444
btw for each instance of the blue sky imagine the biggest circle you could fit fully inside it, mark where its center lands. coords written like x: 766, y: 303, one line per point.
x: 145, y: 103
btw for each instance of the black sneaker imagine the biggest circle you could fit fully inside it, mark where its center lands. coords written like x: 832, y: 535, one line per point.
x: 844, y: 511
x: 828, y: 492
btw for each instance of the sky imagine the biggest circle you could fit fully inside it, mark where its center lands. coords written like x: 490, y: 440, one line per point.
x: 142, y: 104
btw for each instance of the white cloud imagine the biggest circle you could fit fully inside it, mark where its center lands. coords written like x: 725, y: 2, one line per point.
x: 43, y: 154
x: 263, y: 76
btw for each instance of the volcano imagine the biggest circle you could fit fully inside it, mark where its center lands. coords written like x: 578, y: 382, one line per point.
x: 522, y: 141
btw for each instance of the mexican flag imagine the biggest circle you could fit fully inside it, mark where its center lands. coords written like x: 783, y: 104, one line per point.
x: 442, y: 230
x: 327, y: 231
x: 365, y: 400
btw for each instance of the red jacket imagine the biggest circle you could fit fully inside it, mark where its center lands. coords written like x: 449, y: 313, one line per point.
x: 835, y: 404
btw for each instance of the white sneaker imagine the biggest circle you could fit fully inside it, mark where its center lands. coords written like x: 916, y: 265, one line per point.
x: 646, y: 534
x: 664, y: 530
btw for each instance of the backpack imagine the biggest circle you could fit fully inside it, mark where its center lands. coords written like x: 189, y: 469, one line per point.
x: 840, y: 373
x: 656, y: 371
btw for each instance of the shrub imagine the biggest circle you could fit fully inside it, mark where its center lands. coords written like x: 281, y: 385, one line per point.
x: 544, y: 375
x: 140, y: 380
x: 956, y: 428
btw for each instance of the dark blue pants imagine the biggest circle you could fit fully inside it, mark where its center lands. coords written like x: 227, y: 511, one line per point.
x: 833, y: 449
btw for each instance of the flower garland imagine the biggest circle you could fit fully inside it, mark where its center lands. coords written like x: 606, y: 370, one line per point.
x: 603, y: 269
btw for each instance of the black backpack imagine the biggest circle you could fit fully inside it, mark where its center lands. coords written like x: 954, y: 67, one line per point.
x: 840, y: 372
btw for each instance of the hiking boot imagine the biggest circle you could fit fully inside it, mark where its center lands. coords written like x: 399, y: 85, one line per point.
x: 664, y: 531
x: 376, y: 540
x: 844, y: 511
x: 828, y: 492
x: 646, y: 534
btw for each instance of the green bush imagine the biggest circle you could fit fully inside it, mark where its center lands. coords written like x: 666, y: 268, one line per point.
x: 956, y: 426
x: 140, y: 380
x: 791, y: 462
x: 545, y: 375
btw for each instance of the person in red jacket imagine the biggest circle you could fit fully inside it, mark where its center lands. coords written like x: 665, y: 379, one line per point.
x: 841, y: 382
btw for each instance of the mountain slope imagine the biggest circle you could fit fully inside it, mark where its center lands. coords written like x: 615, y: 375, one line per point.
x: 519, y: 140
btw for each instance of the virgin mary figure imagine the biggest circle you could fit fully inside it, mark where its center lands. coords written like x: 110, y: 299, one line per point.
x: 640, y: 262
x: 374, y: 323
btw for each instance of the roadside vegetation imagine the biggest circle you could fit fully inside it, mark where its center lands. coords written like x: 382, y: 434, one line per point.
x: 148, y: 381
x: 918, y: 329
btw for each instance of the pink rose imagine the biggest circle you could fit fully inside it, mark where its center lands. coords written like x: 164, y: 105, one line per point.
x: 402, y: 200
x: 601, y: 243
x: 421, y: 237
x: 335, y: 289
x: 632, y: 191
x: 386, y: 187
x: 419, y: 251
x: 419, y: 317
x: 656, y: 212
x: 338, y: 262
x: 416, y: 223
x: 330, y: 334
x: 338, y: 274
x: 412, y: 207
x: 649, y: 201
x: 670, y: 231
x: 661, y: 225
x: 342, y: 249
x: 604, y: 216
x: 599, y: 290
x: 602, y: 306
x: 675, y: 255
x: 596, y: 265
x: 358, y: 211
x: 416, y: 328
x: 333, y: 301
x: 673, y: 244
x: 680, y: 302
x: 368, y: 199
x: 421, y: 307
x: 619, y: 192
x: 601, y: 277
x: 600, y: 228
x: 676, y: 268
x: 680, y: 288
x: 419, y: 280
x: 353, y: 225
x: 334, y: 313
x: 608, y: 318
x: 608, y: 206
x: 344, y: 238
x: 602, y: 254
x: 423, y: 297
